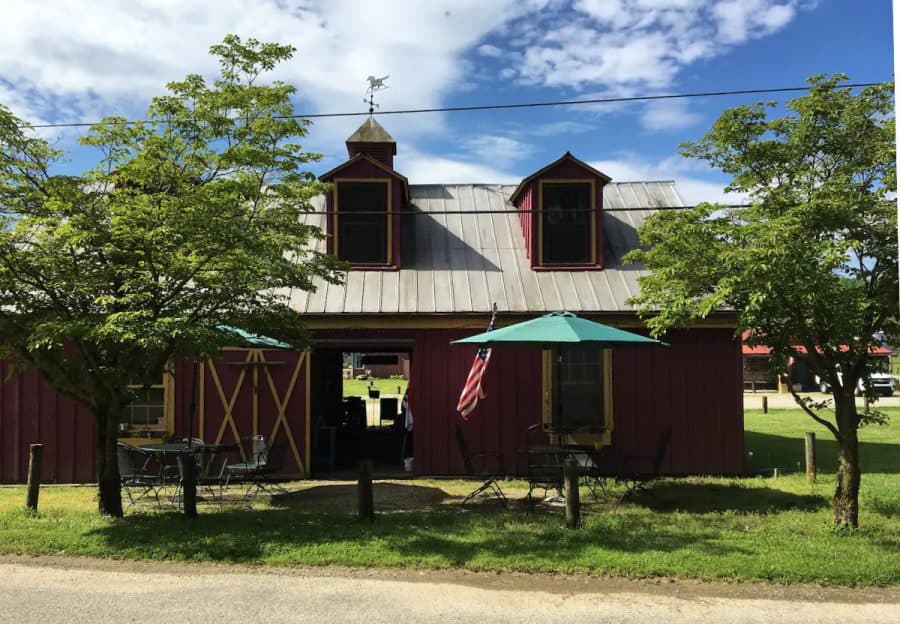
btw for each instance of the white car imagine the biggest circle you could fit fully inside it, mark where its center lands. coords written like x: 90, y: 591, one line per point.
x: 882, y: 383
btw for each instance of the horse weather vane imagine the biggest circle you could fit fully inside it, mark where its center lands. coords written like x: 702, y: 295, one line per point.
x: 375, y: 85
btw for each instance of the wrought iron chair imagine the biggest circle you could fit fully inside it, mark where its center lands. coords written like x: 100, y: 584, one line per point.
x: 261, y: 461
x: 488, y: 477
x: 136, y: 474
x: 542, y: 463
x: 638, y: 480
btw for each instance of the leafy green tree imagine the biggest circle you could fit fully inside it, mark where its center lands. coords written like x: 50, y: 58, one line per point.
x: 810, y: 267
x: 190, y: 220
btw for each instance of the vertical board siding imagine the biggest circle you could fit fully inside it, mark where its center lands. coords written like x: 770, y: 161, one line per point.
x: 694, y: 386
x: 32, y: 413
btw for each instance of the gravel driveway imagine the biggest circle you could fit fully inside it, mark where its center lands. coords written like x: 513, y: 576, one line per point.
x: 76, y: 590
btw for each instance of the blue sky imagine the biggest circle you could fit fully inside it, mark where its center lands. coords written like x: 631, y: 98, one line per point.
x: 77, y: 61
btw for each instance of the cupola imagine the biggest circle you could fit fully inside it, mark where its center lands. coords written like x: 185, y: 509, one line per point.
x: 373, y: 141
x: 366, y: 201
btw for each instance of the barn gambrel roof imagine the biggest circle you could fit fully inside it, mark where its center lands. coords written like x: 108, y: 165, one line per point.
x: 462, y: 263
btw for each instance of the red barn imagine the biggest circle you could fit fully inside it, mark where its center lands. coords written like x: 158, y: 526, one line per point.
x: 428, y: 262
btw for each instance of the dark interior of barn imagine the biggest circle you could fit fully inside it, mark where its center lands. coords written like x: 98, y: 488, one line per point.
x: 356, y: 401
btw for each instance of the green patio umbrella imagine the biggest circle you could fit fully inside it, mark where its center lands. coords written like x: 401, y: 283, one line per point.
x: 555, y: 329
x: 558, y: 330
x: 255, y: 340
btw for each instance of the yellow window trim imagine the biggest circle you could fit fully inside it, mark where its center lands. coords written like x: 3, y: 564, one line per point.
x: 597, y: 439
x: 540, y: 221
x: 390, y: 222
x: 168, y: 426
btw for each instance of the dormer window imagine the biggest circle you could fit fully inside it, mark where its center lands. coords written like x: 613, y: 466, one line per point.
x: 567, y: 223
x: 363, y: 221
x: 560, y: 210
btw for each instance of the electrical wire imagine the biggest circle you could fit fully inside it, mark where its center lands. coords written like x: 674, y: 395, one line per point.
x: 510, y: 106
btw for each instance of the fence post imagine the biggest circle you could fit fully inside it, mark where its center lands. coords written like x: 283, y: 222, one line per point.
x: 810, y: 447
x: 573, y: 507
x: 189, y: 484
x: 765, y: 404
x: 35, y: 460
x: 364, y: 491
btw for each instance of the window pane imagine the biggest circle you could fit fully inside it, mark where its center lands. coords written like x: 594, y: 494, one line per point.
x: 566, y: 221
x: 578, y: 396
x: 362, y: 238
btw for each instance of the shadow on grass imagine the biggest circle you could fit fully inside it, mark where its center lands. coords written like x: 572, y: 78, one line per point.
x: 701, y: 498
x: 342, y: 497
x: 786, y: 453
x: 444, y: 538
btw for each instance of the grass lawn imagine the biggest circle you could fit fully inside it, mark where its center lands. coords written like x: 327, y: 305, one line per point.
x: 359, y: 387
x: 706, y: 528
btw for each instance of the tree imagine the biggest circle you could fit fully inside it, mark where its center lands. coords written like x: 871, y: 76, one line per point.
x: 810, y: 266
x: 189, y: 221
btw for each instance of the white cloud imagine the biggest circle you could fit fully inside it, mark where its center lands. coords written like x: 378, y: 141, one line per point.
x: 693, y: 180
x: 497, y: 149
x: 646, y: 43
x: 490, y: 50
x: 120, y: 52
x: 427, y: 169
x: 669, y: 115
x: 739, y: 20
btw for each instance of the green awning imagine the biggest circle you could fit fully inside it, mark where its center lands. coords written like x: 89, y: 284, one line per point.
x: 558, y: 328
x: 254, y: 339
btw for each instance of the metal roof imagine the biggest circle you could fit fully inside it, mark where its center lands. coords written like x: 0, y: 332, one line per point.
x: 370, y: 132
x: 462, y: 263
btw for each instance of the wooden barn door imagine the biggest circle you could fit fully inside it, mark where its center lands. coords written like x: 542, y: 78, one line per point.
x: 258, y: 392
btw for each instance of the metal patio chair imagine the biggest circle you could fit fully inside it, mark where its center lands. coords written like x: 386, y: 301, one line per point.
x: 136, y: 474
x: 637, y: 479
x: 488, y: 477
x: 261, y: 461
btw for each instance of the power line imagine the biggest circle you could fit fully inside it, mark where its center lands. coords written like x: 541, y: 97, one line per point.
x: 433, y: 213
x: 510, y: 106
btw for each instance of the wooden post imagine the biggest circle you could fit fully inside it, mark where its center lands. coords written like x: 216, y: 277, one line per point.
x: 866, y: 402
x: 364, y: 491
x: 35, y: 459
x: 765, y: 404
x: 189, y: 484
x: 810, y: 444
x: 573, y: 507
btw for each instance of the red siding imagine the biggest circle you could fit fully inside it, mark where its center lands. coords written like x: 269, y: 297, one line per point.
x: 694, y: 386
x: 31, y: 413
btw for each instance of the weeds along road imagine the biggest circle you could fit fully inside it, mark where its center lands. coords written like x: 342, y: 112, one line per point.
x: 60, y: 590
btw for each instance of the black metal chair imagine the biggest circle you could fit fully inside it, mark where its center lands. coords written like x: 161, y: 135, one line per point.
x: 638, y: 480
x: 261, y: 461
x: 488, y: 477
x: 543, y: 464
x: 135, y: 472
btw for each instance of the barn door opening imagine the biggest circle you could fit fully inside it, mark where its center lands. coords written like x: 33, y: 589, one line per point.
x: 358, y: 410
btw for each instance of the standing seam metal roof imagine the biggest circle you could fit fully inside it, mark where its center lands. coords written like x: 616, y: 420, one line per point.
x: 462, y: 263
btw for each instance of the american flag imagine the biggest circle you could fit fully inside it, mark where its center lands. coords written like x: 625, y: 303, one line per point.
x: 473, y: 391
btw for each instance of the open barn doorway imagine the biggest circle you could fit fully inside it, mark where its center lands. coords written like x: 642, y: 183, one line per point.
x: 358, y: 411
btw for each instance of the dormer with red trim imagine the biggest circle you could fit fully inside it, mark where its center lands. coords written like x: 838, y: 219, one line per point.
x: 561, y: 212
x: 365, y: 202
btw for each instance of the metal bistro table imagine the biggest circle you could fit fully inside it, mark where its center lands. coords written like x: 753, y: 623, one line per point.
x: 544, y: 463
x: 208, y: 474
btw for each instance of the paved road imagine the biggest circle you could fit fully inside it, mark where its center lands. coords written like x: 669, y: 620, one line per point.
x: 122, y: 592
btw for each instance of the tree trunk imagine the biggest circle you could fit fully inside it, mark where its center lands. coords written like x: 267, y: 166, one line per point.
x: 109, y: 484
x: 846, y: 492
